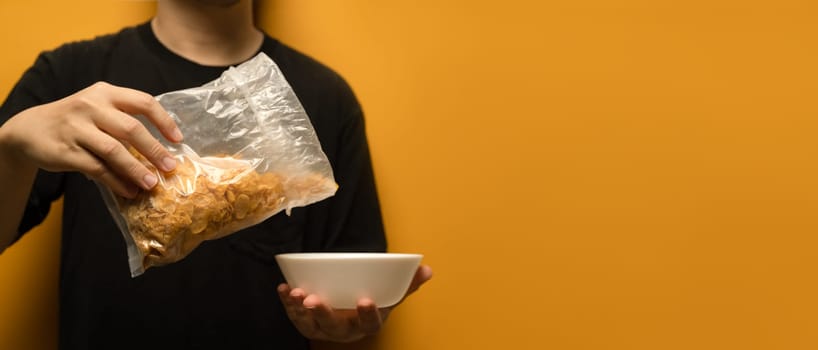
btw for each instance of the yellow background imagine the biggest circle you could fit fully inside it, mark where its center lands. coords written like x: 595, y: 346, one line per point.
x: 581, y: 174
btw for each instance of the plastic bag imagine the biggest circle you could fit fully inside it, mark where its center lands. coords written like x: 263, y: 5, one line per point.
x: 250, y: 152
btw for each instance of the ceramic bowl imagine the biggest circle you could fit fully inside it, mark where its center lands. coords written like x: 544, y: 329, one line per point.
x: 340, y: 279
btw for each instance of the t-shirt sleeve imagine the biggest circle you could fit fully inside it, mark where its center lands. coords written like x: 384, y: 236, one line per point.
x: 36, y: 87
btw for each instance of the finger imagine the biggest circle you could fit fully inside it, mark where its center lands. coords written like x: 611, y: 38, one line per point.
x: 137, y: 102
x: 284, y: 292
x: 98, y: 171
x: 324, y: 316
x: 116, y: 159
x: 422, y: 275
x: 313, y: 301
x: 304, y: 325
x: 297, y: 296
x: 298, y: 315
x: 131, y: 130
x: 369, y: 318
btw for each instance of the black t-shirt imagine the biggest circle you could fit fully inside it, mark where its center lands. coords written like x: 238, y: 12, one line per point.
x: 223, y: 295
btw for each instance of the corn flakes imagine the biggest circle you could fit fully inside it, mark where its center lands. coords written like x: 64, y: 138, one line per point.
x: 196, y: 203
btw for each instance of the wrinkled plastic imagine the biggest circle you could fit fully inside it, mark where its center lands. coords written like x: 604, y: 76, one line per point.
x: 250, y: 152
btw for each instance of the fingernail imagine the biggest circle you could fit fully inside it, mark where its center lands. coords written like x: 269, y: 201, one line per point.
x: 149, y: 181
x: 168, y: 163
x: 177, y: 134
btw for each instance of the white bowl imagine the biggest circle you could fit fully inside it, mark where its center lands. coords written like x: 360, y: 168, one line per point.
x: 340, y: 279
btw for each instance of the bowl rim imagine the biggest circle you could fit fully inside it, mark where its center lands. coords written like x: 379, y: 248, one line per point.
x: 347, y: 256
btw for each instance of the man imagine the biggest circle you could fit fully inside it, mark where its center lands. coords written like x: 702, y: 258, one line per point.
x: 227, y: 294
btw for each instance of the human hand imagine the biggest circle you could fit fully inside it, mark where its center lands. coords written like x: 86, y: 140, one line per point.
x: 85, y: 132
x: 318, y: 321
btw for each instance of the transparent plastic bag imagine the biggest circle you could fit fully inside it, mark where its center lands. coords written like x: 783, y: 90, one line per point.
x: 250, y: 152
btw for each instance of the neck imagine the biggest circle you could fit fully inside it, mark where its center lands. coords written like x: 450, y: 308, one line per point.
x: 208, y: 34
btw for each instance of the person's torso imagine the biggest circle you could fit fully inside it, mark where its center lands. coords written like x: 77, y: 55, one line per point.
x: 221, y: 296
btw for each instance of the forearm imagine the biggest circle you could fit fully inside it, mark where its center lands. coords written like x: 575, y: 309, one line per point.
x: 16, y: 178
